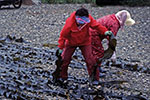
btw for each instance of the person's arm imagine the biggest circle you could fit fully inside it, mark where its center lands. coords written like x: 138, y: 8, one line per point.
x: 64, y: 35
x: 61, y: 43
x: 113, y: 29
x: 95, y: 25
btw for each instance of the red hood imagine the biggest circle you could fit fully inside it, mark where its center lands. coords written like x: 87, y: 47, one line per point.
x: 71, y: 20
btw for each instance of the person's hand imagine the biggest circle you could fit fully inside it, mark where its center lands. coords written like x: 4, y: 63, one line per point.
x: 108, y: 33
x: 59, y: 52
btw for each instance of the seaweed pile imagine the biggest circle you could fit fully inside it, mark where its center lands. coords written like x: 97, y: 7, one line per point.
x: 26, y: 73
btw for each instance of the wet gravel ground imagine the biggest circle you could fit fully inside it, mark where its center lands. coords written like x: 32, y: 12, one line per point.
x: 40, y: 25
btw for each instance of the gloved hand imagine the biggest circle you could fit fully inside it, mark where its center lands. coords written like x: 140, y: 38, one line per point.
x: 59, y: 52
x: 108, y: 33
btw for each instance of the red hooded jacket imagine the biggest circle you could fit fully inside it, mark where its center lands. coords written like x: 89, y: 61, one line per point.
x: 73, y: 36
x: 112, y: 24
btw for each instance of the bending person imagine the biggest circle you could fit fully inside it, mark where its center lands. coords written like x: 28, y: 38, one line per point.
x: 113, y: 23
x: 75, y: 33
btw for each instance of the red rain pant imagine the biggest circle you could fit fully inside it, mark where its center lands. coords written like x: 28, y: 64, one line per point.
x: 87, y: 54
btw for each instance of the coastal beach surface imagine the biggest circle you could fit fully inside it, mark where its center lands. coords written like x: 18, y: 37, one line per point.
x: 27, y: 57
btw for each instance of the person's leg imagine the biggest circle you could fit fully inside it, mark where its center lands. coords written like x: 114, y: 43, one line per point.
x: 66, y: 56
x: 98, y: 52
x: 89, y: 59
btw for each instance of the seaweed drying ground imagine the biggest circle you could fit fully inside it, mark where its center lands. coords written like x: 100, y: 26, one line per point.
x: 26, y: 73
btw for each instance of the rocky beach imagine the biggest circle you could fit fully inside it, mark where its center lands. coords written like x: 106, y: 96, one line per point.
x: 28, y: 39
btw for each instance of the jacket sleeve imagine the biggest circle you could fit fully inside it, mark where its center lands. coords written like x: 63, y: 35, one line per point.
x: 61, y: 43
x: 114, y: 29
x: 64, y: 35
x: 95, y: 25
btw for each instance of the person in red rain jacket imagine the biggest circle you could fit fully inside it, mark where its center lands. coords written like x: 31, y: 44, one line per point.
x: 75, y: 33
x: 113, y: 23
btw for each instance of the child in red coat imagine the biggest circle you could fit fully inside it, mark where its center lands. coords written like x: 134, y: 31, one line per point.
x: 75, y: 33
x: 113, y: 23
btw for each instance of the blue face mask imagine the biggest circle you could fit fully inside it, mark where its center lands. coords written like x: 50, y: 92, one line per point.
x: 82, y: 19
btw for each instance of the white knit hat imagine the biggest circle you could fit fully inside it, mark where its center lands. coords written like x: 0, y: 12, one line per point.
x: 129, y: 21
